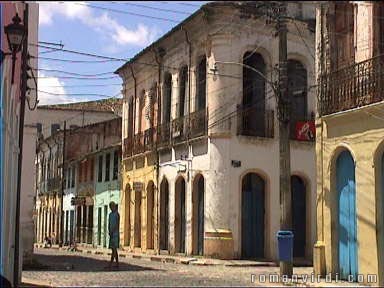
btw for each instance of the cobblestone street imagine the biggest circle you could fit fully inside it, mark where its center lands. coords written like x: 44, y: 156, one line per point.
x: 79, y: 269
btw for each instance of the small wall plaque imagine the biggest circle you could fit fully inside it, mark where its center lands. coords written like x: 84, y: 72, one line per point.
x: 236, y: 163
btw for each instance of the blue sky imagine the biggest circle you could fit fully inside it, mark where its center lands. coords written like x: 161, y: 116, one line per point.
x: 80, y: 27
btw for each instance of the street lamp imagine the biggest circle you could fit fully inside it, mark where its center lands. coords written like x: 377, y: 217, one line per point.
x: 15, y: 35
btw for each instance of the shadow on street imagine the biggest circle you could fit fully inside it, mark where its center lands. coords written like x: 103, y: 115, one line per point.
x: 80, y: 264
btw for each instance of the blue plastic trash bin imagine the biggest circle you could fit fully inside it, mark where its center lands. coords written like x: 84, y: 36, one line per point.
x: 285, y: 245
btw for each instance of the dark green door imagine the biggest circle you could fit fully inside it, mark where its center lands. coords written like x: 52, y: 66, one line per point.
x: 252, y: 226
x: 298, y: 216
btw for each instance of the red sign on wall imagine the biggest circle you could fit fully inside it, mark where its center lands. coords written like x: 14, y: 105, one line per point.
x: 305, y: 130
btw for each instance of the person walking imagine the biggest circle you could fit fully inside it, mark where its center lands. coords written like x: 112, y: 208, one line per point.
x: 113, y: 230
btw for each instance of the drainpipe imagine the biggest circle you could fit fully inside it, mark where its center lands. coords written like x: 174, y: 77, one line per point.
x: 157, y: 152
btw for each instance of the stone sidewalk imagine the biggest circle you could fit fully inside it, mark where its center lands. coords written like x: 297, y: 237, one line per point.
x: 165, y: 268
x: 176, y: 259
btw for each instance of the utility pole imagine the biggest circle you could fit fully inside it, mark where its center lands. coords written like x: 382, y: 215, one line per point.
x: 63, y: 187
x: 24, y: 79
x: 286, y: 268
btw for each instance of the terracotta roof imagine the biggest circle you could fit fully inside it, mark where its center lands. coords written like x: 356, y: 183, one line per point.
x: 104, y: 105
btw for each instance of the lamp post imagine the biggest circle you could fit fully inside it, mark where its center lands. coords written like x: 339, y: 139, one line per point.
x: 15, y: 35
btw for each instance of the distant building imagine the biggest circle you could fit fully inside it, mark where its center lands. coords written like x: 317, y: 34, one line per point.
x: 200, y: 136
x: 349, y: 142
x: 49, y: 163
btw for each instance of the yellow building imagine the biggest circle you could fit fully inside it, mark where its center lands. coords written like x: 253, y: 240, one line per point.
x: 350, y: 142
x: 138, y: 204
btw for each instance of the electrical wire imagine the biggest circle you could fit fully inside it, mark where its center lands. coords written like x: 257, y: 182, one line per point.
x: 78, y: 78
x: 154, y: 8
x: 76, y: 94
x: 125, y: 12
x: 73, y: 73
x: 75, y: 61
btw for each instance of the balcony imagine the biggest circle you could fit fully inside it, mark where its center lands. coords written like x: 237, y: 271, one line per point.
x: 149, y: 139
x: 128, y: 147
x: 163, y: 135
x: 255, y: 122
x: 351, y: 87
x: 53, y: 184
x: 179, y: 129
x: 198, y: 123
x: 138, y: 143
x: 42, y: 187
x: 302, y: 128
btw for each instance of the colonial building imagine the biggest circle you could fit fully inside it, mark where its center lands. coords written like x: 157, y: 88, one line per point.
x: 349, y: 145
x: 10, y: 117
x: 77, y: 178
x: 200, y: 137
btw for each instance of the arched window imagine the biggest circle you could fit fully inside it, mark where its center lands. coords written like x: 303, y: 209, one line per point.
x: 140, y: 105
x: 201, y: 84
x: 253, y: 108
x: 167, y: 96
x: 130, y: 118
x: 297, y: 88
x: 183, y: 92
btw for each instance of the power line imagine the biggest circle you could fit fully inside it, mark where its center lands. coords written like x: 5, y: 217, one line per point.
x: 78, y: 78
x: 101, y: 56
x: 73, y: 73
x: 74, y: 61
x: 84, y: 85
x: 188, y: 4
x: 126, y: 12
x: 155, y: 8
x: 76, y: 94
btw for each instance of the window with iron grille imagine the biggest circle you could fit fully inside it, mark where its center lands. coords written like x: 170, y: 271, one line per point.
x: 100, y: 169
x: 107, y: 166
x: 201, y: 84
x: 115, y: 165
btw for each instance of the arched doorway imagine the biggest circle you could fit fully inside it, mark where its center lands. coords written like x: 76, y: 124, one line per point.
x: 164, y: 214
x: 299, y: 218
x: 127, y: 214
x: 150, y: 214
x: 198, y: 215
x: 137, y: 228
x: 180, y: 215
x: 347, y: 232
x: 252, y: 216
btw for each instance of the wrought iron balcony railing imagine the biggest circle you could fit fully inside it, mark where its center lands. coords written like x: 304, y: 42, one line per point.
x: 179, y: 129
x: 128, y: 147
x: 53, y: 184
x: 198, y: 123
x: 353, y: 86
x: 149, y: 137
x: 163, y: 135
x: 138, y: 143
x: 255, y: 122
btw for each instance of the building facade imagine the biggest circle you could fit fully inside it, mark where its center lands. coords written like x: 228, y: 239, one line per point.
x: 107, y: 185
x: 75, y: 180
x: 349, y: 143
x: 200, y: 137
x: 10, y: 104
